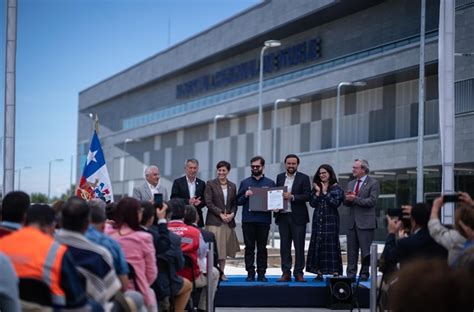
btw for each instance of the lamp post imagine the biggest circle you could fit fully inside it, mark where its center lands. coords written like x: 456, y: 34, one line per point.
x: 214, y: 137
x: 49, y: 175
x: 19, y: 175
x: 274, y: 123
x: 338, y: 108
x: 267, y: 44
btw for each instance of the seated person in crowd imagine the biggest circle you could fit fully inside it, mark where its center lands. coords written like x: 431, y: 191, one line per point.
x: 431, y: 285
x: 14, y: 206
x: 451, y: 239
x: 160, y: 232
x: 192, y: 244
x: 9, y: 300
x: 94, y: 262
x: 419, y: 244
x: 95, y: 234
x: 35, y: 242
x: 137, y: 246
x: 169, y: 283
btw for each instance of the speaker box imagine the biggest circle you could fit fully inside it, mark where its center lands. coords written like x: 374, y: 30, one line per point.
x: 340, y: 293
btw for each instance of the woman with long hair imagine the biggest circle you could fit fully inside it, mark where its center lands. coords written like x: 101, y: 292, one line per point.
x: 324, y: 254
x: 137, y: 246
x: 221, y: 202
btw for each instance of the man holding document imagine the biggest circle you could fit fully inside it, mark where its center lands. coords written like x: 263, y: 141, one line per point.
x: 256, y: 218
x: 292, y: 221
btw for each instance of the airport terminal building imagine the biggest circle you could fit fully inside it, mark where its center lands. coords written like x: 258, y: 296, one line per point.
x: 200, y: 98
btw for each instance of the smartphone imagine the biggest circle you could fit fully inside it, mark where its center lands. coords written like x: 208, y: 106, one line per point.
x: 451, y: 198
x: 395, y: 212
x: 158, y: 200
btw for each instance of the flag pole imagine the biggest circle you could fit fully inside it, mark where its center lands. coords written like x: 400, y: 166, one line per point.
x: 96, y: 121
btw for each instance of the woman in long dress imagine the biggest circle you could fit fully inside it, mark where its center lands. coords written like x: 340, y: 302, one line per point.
x: 221, y: 203
x: 324, y: 254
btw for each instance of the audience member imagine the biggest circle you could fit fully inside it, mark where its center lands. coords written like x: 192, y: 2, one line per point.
x: 137, y: 246
x: 160, y: 232
x: 430, y: 285
x: 94, y: 262
x: 171, y: 284
x: 419, y: 244
x: 191, y: 245
x: 9, y: 300
x: 451, y: 239
x: 14, y: 207
x: 35, y: 243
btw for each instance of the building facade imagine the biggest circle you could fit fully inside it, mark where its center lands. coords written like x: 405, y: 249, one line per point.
x: 199, y: 99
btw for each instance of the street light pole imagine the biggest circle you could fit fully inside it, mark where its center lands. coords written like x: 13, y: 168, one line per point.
x: 274, y: 123
x: 267, y: 44
x: 49, y: 176
x: 338, y: 109
x: 19, y: 176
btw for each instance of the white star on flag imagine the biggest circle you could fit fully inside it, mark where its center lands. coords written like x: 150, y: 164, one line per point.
x: 91, y: 157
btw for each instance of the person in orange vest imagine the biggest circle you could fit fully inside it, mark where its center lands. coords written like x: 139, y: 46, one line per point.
x: 35, y: 254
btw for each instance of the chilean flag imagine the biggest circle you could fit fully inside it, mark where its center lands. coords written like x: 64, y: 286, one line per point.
x: 95, y: 180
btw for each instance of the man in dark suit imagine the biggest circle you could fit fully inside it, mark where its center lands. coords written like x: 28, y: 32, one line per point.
x: 361, y: 197
x: 292, y: 222
x: 190, y: 188
x: 419, y: 244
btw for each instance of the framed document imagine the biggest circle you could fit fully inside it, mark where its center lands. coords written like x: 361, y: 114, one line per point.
x: 267, y: 199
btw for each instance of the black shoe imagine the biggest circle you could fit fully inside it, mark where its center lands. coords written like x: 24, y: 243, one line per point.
x: 318, y: 278
x: 262, y: 278
x: 250, y: 278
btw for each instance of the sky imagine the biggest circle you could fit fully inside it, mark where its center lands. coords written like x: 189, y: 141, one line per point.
x: 66, y: 46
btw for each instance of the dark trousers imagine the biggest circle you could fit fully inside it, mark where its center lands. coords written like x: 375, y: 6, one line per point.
x: 255, y: 234
x: 358, y: 239
x: 291, y: 233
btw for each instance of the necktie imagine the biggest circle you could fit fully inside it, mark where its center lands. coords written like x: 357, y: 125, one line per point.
x: 356, y: 191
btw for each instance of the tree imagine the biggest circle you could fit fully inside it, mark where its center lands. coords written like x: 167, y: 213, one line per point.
x: 39, y: 198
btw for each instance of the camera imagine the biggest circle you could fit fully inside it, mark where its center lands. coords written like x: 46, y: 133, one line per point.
x: 158, y: 200
x: 451, y: 198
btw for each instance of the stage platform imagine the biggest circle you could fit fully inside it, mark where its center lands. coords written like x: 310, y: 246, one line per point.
x: 236, y: 292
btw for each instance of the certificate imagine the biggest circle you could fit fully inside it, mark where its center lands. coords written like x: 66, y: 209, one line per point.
x: 275, y: 200
x: 267, y: 199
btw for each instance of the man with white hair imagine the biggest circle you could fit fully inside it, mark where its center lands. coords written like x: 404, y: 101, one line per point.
x: 361, y: 197
x: 151, y: 186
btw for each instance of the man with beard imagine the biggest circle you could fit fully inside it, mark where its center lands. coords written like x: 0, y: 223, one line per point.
x: 255, y: 224
x: 292, y: 222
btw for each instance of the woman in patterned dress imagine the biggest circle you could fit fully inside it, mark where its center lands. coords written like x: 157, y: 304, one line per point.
x: 324, y: 254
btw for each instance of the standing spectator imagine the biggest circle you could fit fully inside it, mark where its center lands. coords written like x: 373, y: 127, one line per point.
x: 190, y: 188
x: 292, y: 222
x: 255, y: 224
x: 361, y: 197
x: 324, y: 254
x: 94, y: 262
x: 221, y: 202
x: 151, y: 186
x: 137, y: 246
x: 14, y: 206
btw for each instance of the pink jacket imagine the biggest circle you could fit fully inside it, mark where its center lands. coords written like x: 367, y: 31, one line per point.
x: 140, y: 253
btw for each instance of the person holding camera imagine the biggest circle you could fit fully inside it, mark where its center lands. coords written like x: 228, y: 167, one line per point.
x: 451, y: 239
x: 418, y: 244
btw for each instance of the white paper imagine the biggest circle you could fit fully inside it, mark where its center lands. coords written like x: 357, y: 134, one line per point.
x: 275, y: 200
